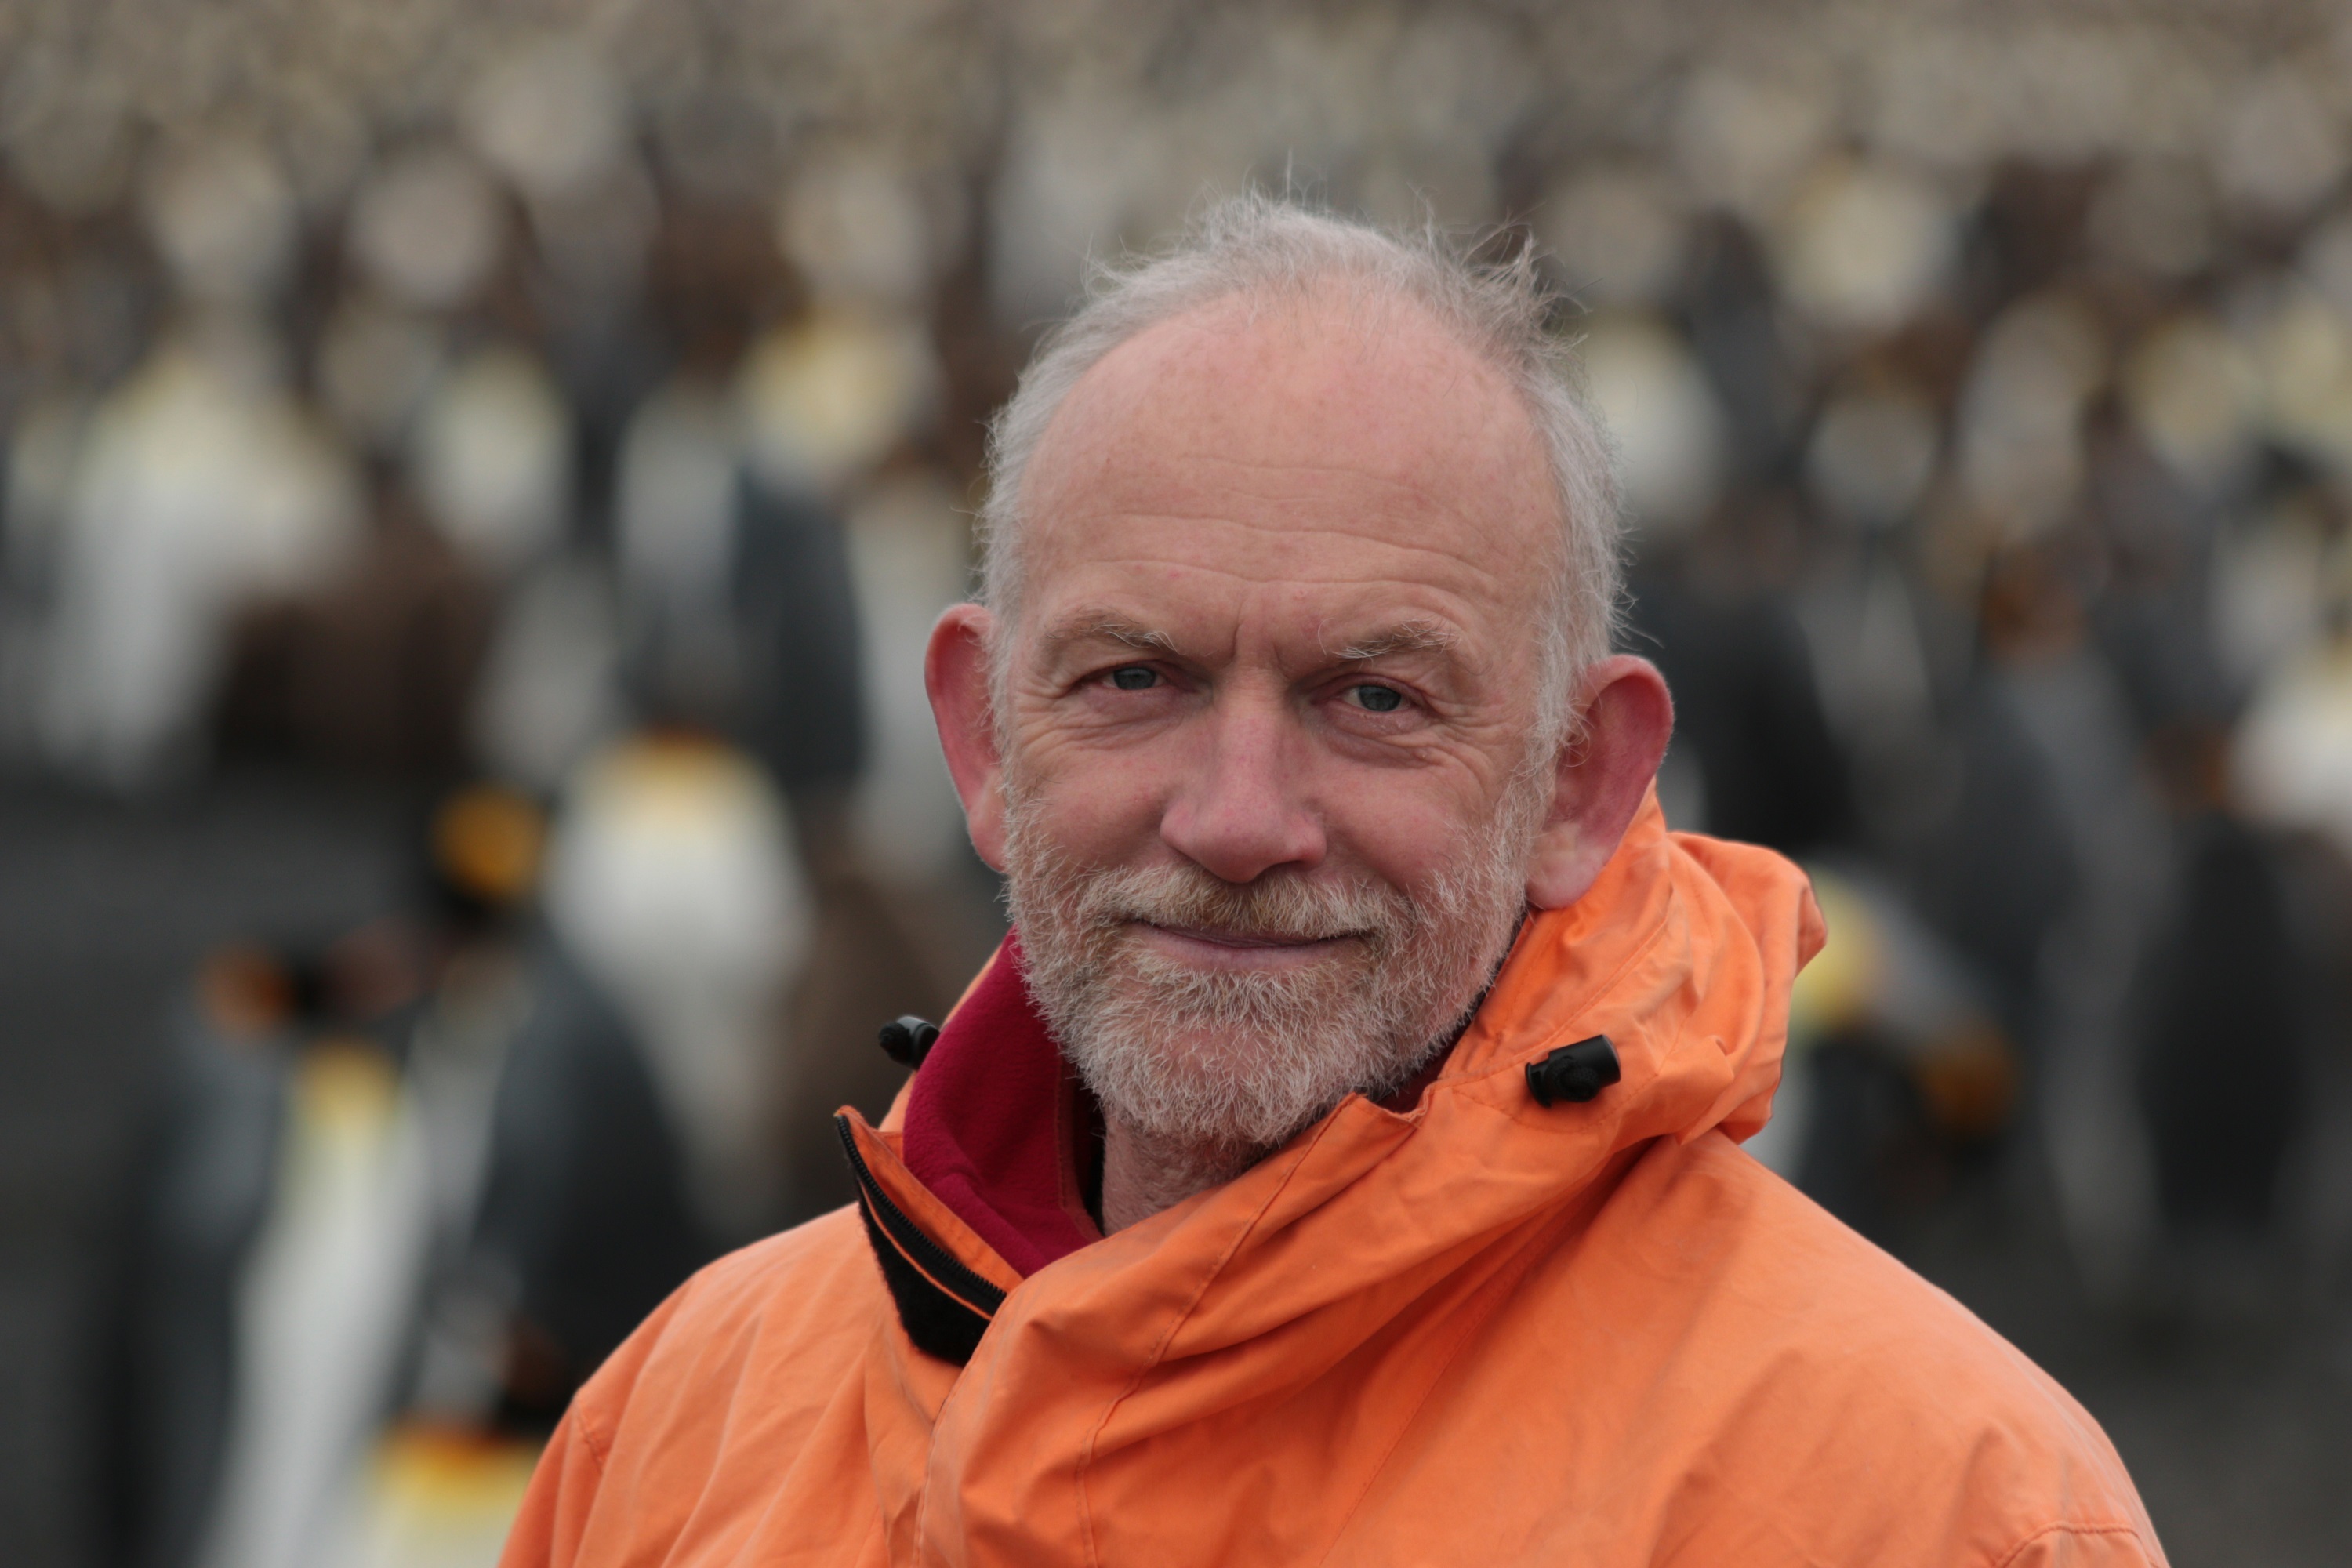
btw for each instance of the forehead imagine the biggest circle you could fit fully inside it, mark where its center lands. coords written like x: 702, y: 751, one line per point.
x: 1343, y: 445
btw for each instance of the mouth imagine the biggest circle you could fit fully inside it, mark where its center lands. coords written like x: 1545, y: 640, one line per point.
x: 1209, y: 948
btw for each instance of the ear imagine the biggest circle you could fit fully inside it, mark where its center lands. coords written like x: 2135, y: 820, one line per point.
x: 955, y: 672
x: 1628, y: 718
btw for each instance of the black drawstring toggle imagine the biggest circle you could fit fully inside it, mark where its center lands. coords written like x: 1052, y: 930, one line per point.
x: 1575, y: 1072
x: 909, y: 1040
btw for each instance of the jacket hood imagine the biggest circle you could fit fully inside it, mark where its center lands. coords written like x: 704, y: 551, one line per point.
x: 1169, y: 1332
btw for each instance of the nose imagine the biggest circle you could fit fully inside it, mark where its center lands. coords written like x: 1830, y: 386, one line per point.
x: 1239, y: 812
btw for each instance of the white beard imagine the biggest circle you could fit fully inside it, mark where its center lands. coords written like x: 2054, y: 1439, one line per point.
x: 1242, y: 1061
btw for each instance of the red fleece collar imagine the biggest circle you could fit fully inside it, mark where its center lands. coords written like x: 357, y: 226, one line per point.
x: 974, y: 1133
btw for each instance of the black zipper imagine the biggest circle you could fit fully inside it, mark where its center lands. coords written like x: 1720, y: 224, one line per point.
x: 934, y: 1260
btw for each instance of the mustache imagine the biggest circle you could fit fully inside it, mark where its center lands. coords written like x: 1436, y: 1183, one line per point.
x: 1278, y: 907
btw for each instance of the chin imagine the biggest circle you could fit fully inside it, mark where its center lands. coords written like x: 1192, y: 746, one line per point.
x: 1212, y: 1055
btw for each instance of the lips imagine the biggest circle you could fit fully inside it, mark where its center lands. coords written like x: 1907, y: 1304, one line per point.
x: 1227, y: 936
x: 1213, y: 947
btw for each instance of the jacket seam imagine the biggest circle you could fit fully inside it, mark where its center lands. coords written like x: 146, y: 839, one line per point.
x: 2014, y: 1553
x: 598, y: 1443
x: 1519, y: 1270
x: 599, y: 1431
x: 1159, y: 1350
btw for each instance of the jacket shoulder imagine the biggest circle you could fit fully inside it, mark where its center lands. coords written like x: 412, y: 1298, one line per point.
x: 1821, y: 1295
x: 749, y: 1380
x: 1845, y: 1397
x: 768, y: 1313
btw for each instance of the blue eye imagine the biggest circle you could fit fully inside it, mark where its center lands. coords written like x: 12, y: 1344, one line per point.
x: 1377, y: 699
x: 1135, y: 678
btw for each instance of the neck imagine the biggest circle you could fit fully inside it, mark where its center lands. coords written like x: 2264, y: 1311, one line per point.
x: 1144, y: 1173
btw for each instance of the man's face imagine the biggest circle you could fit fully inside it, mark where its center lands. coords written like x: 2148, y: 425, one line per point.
x: 1267, y: 712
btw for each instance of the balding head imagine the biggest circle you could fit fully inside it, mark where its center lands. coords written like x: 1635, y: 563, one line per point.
x: 1255, y: 255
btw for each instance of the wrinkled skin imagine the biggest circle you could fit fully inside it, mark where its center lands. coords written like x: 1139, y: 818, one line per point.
x: 1284, y: 569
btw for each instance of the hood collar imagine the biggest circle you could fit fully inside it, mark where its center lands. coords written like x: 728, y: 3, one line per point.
x: 1682, y: 952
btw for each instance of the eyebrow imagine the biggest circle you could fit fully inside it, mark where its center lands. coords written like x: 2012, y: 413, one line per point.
x: 1127, y: 633
x: 1406, y: 637
x: 1409, y: 637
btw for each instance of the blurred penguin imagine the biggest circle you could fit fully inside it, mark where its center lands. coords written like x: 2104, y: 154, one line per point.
x: 771, y: 545
x: 200, y: 485
x: 404, y: 1192
x: 676, y: 881
x: 1898, y: 1076
x: 2226, y: 1007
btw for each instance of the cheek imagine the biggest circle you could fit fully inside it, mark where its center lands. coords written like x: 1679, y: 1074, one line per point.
x: 1402, y: 823
x: 1097, y: 807
x: 1403, y: 827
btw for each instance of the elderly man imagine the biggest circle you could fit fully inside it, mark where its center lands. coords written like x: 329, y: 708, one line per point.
x: 1340, y: 1162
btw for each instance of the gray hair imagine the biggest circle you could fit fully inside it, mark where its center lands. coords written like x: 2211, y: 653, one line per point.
x: 1267, y: 246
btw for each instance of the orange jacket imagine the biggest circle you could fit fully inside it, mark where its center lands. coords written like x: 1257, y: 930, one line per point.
x: 1480, y: 1331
